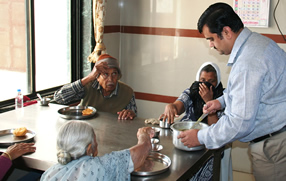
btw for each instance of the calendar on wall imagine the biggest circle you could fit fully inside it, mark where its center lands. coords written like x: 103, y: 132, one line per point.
x: 253, y: 13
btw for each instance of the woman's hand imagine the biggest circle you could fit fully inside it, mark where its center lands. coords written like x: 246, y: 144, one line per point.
x: 170, y: 113
x: 205, y: 92
x: 19, y: 149
x: 140, y: 151
x: 146, y: 131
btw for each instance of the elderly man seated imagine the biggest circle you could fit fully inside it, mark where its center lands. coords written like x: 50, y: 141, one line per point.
x: 101, y: 89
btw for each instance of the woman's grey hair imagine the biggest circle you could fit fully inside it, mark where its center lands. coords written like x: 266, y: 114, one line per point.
x: 73, y: 140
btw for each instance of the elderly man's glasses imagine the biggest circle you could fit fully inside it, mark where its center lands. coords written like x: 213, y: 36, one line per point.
x: 113, y: 75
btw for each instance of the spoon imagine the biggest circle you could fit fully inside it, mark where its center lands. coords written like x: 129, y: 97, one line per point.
x: 39, y: 96
x: 199, y: 120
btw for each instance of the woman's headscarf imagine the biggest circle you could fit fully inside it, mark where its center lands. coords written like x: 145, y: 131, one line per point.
x: 216, y: 69
x: 194, y: 90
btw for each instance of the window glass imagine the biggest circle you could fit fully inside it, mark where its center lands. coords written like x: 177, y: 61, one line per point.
x: 52, y: 43
x: 52, y: 46
x: 13, y: 46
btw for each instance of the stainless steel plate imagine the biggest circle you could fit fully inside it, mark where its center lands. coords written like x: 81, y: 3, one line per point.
x: 154, y: 164
x: 75, y: 112
x: 7, y: 138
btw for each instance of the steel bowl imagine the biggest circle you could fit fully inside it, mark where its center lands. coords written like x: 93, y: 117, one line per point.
x: 164, y: 124
x: 45, y: 101
x: 181, y: 126
x: 157, y: 132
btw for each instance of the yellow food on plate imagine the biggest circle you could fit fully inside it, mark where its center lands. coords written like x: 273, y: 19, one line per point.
x: 87, y: 111
x: 20, y: 131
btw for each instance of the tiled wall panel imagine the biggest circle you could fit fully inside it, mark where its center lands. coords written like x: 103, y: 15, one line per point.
x: 155, y: 61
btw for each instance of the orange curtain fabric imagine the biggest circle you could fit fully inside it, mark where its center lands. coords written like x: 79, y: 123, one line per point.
x: 99, y: 11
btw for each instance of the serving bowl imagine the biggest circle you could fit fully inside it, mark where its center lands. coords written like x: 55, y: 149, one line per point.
x: 182, y: 126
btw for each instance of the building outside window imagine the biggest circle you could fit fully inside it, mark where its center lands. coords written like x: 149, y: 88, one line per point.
x: 50, y: 63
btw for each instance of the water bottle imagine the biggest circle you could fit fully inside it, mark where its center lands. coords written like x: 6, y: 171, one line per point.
x: 19, y: 100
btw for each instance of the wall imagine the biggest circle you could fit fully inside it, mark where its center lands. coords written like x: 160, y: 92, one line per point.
x: 160, y: 49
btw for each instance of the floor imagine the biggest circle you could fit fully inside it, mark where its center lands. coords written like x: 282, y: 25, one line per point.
x: 240, y: 176
x: 237, y: 176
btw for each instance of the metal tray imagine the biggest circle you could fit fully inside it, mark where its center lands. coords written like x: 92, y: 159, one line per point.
x: 7, y: 138
x: 155, y: 163
x: 75, y: 112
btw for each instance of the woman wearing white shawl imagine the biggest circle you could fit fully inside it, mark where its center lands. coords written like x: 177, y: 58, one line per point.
x: 78, y: 160
x: 207, y: 86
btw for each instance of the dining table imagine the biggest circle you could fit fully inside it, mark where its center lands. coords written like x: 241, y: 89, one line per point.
x: 111, y: 135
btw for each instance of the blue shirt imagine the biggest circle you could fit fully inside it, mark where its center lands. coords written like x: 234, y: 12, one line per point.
x: 255, y: 97
x: 114, y: 166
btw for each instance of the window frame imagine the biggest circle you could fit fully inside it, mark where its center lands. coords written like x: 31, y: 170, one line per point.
x: 76, y: 49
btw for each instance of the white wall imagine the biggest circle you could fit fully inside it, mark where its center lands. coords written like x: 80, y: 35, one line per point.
x: 166, y: 65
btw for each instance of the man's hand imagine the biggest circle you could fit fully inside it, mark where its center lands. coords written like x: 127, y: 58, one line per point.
x: 189, y: 138
x: 126, y: 114
x: 212, y: 106
x: 96, y: 71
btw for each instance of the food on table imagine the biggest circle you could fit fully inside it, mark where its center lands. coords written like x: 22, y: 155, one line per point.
x: 20, y: 131
x: 87, y: 112
x: 152, y: 121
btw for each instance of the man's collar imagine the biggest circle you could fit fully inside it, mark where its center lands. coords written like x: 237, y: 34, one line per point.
x: 97, y: 86
x: 240, y: 40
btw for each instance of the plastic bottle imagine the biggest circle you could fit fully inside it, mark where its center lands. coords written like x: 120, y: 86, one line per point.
x: 19, y: 100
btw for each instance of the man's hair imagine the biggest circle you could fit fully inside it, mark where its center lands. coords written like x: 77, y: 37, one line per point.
x: 217, y: 16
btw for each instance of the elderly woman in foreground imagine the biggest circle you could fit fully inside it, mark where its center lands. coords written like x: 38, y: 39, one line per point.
x: 78, y: 160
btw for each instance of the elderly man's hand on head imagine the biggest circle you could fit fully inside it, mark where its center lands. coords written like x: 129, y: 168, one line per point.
x: 126, y: 114
x: 96, y: 71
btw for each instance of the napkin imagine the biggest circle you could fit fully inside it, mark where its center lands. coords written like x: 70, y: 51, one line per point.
x: 27, y: 101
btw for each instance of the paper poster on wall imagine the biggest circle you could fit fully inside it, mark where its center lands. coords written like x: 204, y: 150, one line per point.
x: 253, y: 13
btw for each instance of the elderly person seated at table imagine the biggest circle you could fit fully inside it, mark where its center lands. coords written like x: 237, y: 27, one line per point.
x: 13, y: 152
x: 101, y: 89
x: 207, y: 87
x: 78, y: 160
